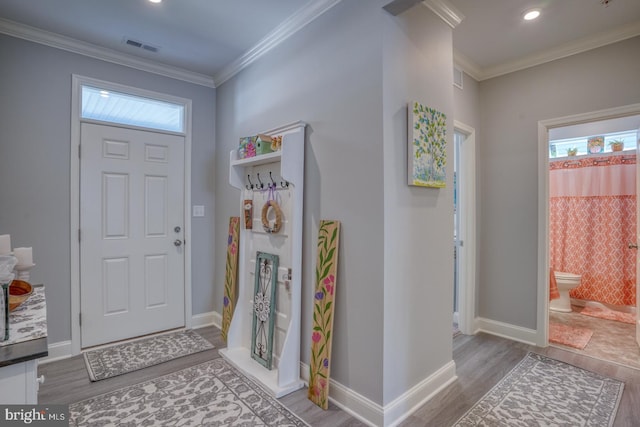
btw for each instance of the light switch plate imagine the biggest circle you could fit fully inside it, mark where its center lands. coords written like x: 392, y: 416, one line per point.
x: 198, y: 210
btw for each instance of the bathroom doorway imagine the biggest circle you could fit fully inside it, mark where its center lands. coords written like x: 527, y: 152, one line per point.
x: 603, y: 310
x: 464, y: 239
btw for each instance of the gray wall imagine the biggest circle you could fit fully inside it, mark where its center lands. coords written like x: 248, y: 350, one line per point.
x: 328, y: 75
x: 466, y: 103
x: 418, y: 258
x: 35, y: 117
x: 507, y: 152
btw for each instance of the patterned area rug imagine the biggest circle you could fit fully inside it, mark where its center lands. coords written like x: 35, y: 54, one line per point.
x: 541, y: 391
x: 570, y: 336
x: 211, y: 394
x: 606, y: 313
x: 119, y: 359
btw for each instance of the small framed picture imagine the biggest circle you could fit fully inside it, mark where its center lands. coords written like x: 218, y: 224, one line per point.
x: 595, y: 144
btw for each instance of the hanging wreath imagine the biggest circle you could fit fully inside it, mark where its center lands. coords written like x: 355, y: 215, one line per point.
x: 278, y: 212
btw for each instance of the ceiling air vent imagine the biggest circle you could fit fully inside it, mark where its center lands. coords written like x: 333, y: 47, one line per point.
x: 141, y: 45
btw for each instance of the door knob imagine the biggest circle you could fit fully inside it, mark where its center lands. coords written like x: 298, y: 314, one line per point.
x: 177, y: 242
x: 633, y: 246
x: 177, y: 229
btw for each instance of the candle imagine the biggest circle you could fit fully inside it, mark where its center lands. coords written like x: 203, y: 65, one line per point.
x: 24, y: 255
x: 5, y: 244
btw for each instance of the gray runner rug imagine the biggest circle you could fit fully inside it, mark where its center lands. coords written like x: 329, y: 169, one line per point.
x: 213, y: 393
x: 541, y: 391
x: 122, y: 358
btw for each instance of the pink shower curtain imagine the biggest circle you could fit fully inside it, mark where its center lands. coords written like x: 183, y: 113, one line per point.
x: 592, y: 219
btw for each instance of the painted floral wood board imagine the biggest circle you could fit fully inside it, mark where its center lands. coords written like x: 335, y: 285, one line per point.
x: 231, y: 275
x: 427, y: 151
x: 323, y: 303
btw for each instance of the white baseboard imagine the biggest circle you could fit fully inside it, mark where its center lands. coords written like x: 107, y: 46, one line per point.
x: 350, y: 401
x: 407, y: 403
x: 57, y: 351
x: 395, y: 412
x: 201, y: 320
x: 506, y: 330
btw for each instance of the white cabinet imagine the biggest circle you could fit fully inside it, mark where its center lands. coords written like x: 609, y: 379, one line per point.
x: 285, y: 169
x: 19, y: 383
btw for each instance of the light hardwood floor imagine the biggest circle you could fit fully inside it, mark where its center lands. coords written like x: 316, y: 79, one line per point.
x: 481, y: 361
x: 67, y: 381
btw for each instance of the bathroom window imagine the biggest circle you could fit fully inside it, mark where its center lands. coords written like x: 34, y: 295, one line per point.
x: 561, y: 147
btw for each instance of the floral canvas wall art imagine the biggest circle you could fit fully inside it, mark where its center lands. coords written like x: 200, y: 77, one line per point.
x: 427, y: 150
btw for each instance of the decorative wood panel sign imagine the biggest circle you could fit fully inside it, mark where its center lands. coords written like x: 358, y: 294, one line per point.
x: 264, y: 308
x: 326, y: 271
x: 231, y: 275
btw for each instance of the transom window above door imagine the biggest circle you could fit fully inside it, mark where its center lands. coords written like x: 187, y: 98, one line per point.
x: 117, y: 107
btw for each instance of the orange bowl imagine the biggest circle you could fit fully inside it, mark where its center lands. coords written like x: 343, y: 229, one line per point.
x: 19, y: 292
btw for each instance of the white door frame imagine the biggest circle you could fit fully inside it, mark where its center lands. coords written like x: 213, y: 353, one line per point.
x: 76, y: 102
x: 542, y: 324
x: 467, y: 210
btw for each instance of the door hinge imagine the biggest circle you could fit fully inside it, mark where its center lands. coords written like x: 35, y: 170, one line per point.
x: 80, y: 318
x: 79, y: 151
x: 79, y: 235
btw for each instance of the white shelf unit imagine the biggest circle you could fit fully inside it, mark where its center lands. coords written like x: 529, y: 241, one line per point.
x: 288, y: 163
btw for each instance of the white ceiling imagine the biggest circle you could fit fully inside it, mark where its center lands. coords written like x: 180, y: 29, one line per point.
x: 201, y: 36
x: 206, y: 36
x: 493, y: 39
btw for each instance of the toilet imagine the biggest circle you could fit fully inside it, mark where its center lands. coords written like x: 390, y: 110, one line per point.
x: 566, y: 282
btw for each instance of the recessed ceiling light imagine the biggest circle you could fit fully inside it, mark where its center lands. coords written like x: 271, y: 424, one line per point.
x: 155, y: 1
x: 531, y: 14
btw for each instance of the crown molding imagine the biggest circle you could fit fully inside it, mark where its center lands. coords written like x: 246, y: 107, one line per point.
x: 292, y: 25
x: 445, y: 11
x: 57, y: 41
x: 563, y: 51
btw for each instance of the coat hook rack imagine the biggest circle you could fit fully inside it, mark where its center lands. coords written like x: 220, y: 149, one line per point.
x: 284, y: 184
x: 250, y: 186
x: 261, y: 185
x: 273, y: 184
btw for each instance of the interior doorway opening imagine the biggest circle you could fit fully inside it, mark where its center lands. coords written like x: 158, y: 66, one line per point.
x: 464, y: 239
x: 592, y: 221
x: 544, y: 127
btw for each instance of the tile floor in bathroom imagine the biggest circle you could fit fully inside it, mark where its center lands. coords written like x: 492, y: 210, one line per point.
x: 612, y: 341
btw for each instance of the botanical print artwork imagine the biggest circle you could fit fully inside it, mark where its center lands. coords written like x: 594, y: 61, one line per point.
x: 323, y: 297
x: 231, y: 275
x: 427, y: 149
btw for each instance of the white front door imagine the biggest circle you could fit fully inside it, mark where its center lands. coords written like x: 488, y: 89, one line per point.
x: 131, y: 225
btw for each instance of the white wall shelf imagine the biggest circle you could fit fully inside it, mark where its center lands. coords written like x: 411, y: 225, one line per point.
x: 287, y: 164
x: 257, y: 160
